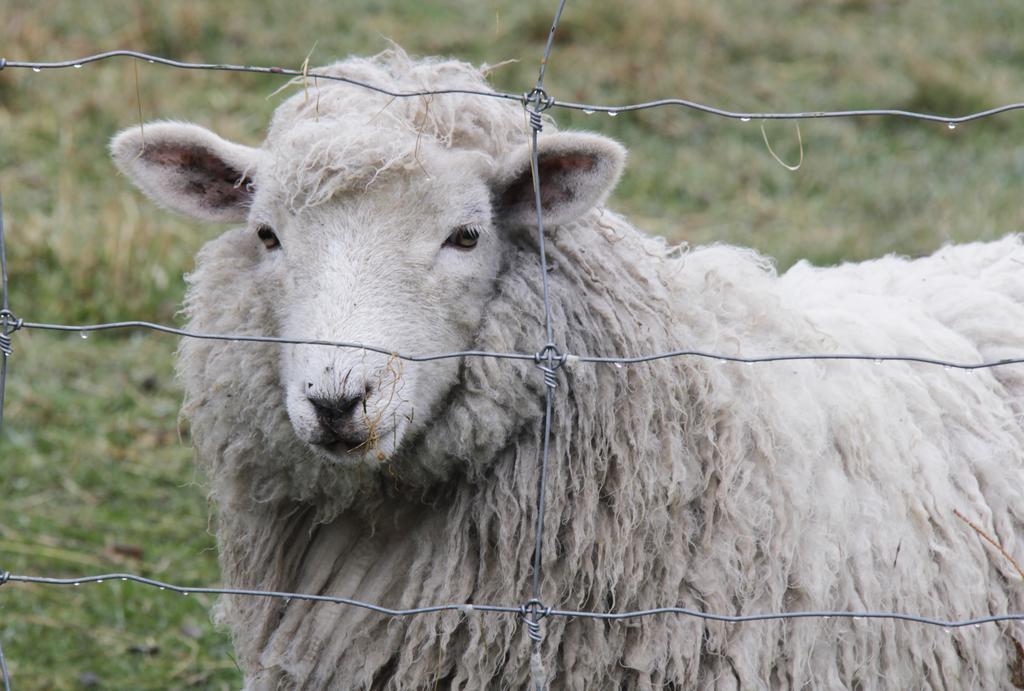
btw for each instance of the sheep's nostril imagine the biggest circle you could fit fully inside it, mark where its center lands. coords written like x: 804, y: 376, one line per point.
x: 333, y: 413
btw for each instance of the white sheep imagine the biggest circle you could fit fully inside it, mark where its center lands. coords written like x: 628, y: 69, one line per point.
x: 408, y: 223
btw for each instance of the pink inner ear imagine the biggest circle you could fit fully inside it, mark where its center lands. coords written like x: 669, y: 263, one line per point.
x: 202, y: 175
x: 556, y: 171
x: 566, y: 162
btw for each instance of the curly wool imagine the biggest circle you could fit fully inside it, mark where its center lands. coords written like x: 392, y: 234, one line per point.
x: 334, y: 137
x: 717, y: 486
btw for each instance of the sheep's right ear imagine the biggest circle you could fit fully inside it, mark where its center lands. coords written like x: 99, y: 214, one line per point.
x: 576, y: 171
x: 189, y: 169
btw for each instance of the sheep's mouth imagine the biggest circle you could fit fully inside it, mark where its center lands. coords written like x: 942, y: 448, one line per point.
x: 340, y: 448
x: 343, y: 446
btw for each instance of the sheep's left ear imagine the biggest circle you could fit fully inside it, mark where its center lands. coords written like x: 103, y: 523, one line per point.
x: 577, y: 171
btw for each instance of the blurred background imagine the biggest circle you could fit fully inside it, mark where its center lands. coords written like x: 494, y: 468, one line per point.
x: 95, y: 470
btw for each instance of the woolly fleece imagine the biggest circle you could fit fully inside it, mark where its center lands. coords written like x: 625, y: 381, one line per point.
x: 722, y: 487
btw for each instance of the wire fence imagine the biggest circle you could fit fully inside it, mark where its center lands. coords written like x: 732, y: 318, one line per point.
x: 548, y: 359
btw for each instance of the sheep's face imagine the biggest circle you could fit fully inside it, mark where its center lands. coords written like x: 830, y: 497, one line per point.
x: 405, y: 264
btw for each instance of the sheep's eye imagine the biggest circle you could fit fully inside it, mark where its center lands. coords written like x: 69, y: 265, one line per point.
x: 464, y: 238
x: 268, y: 237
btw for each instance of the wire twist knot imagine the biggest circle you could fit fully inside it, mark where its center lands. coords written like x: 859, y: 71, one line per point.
x: 3, y: 64
x: 4, y: 577
x: 8, y: 325
x: 536, y: 102
x: 532, y: 613
x: 548, y: 361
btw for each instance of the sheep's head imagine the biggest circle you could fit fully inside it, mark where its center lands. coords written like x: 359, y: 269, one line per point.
x: 406, y: 259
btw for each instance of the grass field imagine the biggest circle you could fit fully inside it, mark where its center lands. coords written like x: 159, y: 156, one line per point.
x: 95, y: 473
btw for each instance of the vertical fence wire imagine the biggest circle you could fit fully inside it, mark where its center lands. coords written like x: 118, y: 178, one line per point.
x: 7, y: 320
x: 536, y: 102
x: 5, y: 352
x: 3, y: 669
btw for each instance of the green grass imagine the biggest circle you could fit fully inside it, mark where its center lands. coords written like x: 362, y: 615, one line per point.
x: 95, y: 479
x: 93, y: 476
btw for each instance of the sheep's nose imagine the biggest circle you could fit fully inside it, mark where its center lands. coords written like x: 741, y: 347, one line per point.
x: 339, y: 418
x: 332, y: 411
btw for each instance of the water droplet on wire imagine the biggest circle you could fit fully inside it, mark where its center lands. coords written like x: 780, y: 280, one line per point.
x: 36, y: 69
x: 588, y: 111
x: 612, y: 113
x: 951, y: 125
x: 744, y: 119
x: 77, y: 66
x: 83, y: 334
x: 618, y: 365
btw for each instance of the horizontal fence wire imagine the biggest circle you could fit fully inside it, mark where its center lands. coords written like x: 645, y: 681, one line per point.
x: 548, y: 359
x: 470, y: 608
x: 86, y: 329
x: 564, y: 358
x: 37, y: 66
